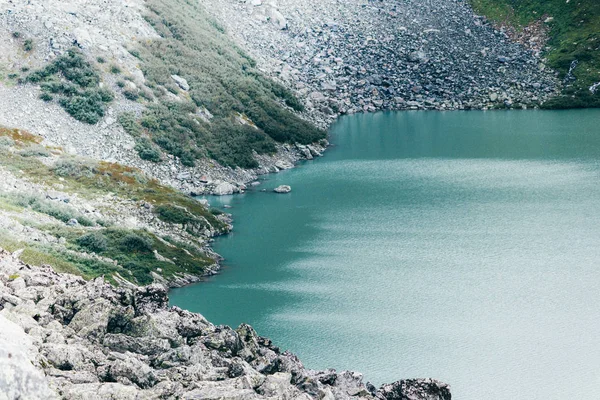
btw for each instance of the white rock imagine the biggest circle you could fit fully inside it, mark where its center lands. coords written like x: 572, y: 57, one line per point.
x: 283, y: 189
x: 181, y: 82
x: 19, y: 379
x: 224, y: 188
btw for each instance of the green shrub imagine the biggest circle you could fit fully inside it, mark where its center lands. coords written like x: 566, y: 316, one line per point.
x: 114, y: 69
x: 135, y: 53
x: 46, y: 96
x: 147, y: 150
x: 222, y: 79
x: 5, y: 141
x: 94, y: 241
x: 146, y: 94
x: 35, y: 151
x: 76, y: 81
x: 88, y: 108
x: 131, y: 94
x: 58, y: 210
x: 121, y: 84
x: 133, y: 242
x: 16, y: 35
x: 106, y: 95
x: 74, y: 168
x: 101, y: 60
x: 28, y: 45
x: 129, y: 122
x: 174, y: 215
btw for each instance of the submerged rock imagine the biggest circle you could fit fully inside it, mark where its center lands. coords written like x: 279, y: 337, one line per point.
x: 283, y: 189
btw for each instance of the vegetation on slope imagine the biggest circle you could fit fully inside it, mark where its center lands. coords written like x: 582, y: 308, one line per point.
x: 95, y: 247
x: 225, y: 90
x: 76, y: 83
x: 574, y: 36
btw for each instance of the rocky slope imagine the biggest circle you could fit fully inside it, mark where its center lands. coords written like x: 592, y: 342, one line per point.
x: 353, y: 56
x: 95, y: 341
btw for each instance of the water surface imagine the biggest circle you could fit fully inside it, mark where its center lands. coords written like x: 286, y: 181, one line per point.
x: 463, y: 246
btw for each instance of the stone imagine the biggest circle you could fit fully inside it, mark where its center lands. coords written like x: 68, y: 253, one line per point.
x: 104, y: 342
x: 181, y: 82
x: 224, y: 188
x: 415, y: 389
x: 19, y: 378
x: 282, y: 189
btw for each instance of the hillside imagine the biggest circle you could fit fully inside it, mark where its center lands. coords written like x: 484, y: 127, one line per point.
x: 573, y: 30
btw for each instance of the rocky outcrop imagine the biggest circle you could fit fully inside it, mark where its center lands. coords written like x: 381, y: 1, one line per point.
x: 95, y: 341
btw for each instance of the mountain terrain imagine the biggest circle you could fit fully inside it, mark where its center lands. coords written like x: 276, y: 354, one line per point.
x: 113, y: 113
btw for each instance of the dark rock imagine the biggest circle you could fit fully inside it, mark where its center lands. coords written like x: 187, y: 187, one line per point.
x: 415, y: 389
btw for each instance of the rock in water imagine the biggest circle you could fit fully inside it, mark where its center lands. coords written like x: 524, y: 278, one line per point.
x: 415, y: 389
x: 283, y: 189
x: 224, y: 188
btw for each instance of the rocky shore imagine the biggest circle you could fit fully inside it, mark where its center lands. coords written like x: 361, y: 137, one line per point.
x: 64, y: 337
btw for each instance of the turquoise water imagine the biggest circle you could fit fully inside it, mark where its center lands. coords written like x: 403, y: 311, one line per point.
x: 463, y: 246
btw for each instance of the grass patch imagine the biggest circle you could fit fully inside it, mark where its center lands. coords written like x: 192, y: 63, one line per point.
x: 55, y: 209
x: 574, y: 35
x: 92, y: 178
x: 20, y: 137
x: 134, y: 252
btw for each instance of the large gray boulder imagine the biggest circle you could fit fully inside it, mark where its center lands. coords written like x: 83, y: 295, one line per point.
x: 19, y: 378
x: 225, y: 188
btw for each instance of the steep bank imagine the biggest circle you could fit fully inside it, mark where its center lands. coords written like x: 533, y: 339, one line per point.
x: 95, y: 341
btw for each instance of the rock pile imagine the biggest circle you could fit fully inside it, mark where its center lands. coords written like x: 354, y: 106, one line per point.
x: 95, y: 341
x: 352, y: 56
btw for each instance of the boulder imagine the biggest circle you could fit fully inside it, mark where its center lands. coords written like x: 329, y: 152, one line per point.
x: 224, y: 189
x: 19, y: 379
x: 415, y: 389
x: 283, y: 189
x: 181, y: 82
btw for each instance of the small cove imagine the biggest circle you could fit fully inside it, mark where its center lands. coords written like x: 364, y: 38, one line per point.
x: 463, y: 246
